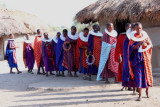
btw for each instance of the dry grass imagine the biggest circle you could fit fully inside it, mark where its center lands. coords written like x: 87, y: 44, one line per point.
x: 18, y: 22
x: 110, y: 10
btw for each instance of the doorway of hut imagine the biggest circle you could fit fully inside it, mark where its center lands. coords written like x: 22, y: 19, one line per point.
x: 120, y: 25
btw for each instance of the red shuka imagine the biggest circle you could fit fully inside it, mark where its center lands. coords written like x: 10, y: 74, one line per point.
x: 118, y: 53
x: 84, y: 46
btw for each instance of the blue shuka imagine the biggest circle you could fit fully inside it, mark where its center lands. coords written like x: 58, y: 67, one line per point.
x: 10, y: 54
x: 59, y: 54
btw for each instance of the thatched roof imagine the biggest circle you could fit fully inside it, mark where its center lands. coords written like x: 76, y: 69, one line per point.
x: 18, y: 22
x: 110, y: 10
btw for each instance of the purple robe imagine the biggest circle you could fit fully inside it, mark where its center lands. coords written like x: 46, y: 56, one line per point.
x: 69, y: 60
x: 48, y: 60
x: 54, y: 45
x: 29, y: 57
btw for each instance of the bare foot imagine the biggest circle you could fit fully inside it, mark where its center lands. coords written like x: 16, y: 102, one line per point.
x: 12, y: 72
x: 19, y: 72
x: 123, y: 89
x: 139, y: 99
x: 148, y: 96
x: 38, y: 73
x: 107, y: 82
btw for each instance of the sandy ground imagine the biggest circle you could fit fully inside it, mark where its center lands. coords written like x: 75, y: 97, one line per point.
x: 27, y: 90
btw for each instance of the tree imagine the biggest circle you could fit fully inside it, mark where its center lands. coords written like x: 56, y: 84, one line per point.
x: 80, y: 26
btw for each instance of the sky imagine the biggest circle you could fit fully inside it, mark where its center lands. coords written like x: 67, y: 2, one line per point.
x: 52, y: 12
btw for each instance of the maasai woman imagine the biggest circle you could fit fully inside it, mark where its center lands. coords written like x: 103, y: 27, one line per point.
x: 38, y: 51
x: 140, y: 51
x: 54, y: 45
x: 59, y: 52
x: 11, y: 54
x: 28, y: 54
x: 69, y: 59
x: 119, y: 52
x: 94, y: 48
x: 111, y: 66
x: 47, y: 54
x: 127, y: 76
x: 82, y: 47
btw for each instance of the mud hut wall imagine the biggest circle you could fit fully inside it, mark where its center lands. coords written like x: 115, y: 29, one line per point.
x: 1, y: 49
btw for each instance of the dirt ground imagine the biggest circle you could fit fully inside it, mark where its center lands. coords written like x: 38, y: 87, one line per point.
x: 15, y: 91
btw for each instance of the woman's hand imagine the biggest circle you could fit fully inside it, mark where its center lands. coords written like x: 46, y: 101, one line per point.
x: 120, y: 59
x: 45, y: 43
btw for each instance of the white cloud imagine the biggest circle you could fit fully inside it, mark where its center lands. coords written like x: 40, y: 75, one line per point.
x: 54, y: 12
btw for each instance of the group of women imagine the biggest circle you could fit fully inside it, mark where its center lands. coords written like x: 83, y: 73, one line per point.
x: 126, y: 57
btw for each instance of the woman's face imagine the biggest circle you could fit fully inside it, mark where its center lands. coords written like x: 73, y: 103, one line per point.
x: 86, y: 33
x: 12, y: 36
x: 139, y: 29
x: 110, y: 28
x: 27, y: 36
x: 46, y: 36
x: 64, y: 34
x: 96, y: 28
x: 73, y: 30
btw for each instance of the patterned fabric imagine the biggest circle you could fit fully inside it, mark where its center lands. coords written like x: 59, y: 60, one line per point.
x: 147, y: 64
x: 112, y: 64
x: 54, y: 54
x: 111, y: 67
x: 93, y: 69
x: 38, y: 49
x: 103, y: 58
x: 49, y: 53
x: 126, y: 67
x: 141, y: 62
x: 47, y: 56
x: 137, y: 61
x: 118, y: 53
x: 80, y: 45
x: 97, y: 49
x: 69, y: 58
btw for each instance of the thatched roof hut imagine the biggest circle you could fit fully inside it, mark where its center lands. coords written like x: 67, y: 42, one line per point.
x: 110, y: 10
x: 122, y: 11
x: 19, y: 22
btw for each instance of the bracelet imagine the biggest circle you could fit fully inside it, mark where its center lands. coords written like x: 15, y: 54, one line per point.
x: 65, y: 48
x: 87, y: 60
x: 86, y: 52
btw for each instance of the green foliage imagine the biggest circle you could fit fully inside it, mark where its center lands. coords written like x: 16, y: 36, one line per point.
x: 3, y: 5
x: 57, y: 29
x: 80, y: 26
